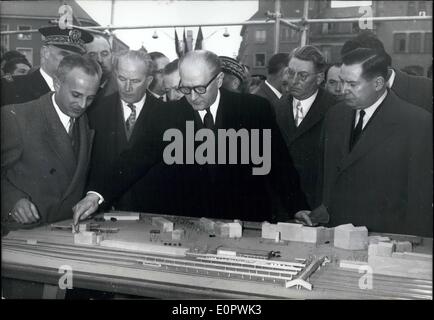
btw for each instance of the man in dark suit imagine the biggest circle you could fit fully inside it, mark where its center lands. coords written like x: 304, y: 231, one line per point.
x: 100, y: 50
x: 271, y: 89
x: 301, y: 119
x: 57, y: 44
x: 46, y: 146
x: 415, y: 90
x: 211, y: 189
x: 377, y: 153
x: 156, y: 88
x: 119, y: 120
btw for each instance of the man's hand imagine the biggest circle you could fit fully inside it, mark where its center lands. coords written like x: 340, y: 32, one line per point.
x: 85, y: 208
x: 24, y: 212
x: 303, y: 217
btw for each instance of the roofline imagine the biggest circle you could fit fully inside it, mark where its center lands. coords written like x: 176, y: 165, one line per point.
x: 43, y: 18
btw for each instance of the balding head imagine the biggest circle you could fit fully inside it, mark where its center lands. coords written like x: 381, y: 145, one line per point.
x: 198, y: 69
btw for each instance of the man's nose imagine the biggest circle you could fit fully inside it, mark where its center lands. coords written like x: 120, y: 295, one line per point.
x: 82, y: 103
x: 194, y: 95
x: 128, y: 86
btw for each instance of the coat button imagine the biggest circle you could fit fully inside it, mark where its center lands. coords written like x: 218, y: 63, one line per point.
x: 52, y: 171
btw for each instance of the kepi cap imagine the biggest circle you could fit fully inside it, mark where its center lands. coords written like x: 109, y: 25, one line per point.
x: 68, y: 39
x: 233, y: 67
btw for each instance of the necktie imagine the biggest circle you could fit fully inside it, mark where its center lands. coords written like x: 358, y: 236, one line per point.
x: 298, y: 114
x: 131, y: 119
x: 208, y: 120
x: 358, y: 129
x: 71, y: 127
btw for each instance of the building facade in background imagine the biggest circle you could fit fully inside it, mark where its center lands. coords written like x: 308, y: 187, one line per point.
x: 28, y: 15
x: 408, y: 42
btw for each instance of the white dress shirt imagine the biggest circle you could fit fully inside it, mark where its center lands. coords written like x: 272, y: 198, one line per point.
x: 276, y: 92
x: 48, y: 79
x: 158, y: 96
x: 127, y: 110
x: 213, y: 108
x: 305, y: 104
x: 369, y: 111
x: 65, y: 119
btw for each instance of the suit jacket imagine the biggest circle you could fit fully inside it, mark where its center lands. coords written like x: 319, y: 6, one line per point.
x: 220, y: 191
x: 38, y: 161
x: 385, y: 182
x: 24, y: 88
x: 413, y: 89
x: 107, y: 119
x: 264, y: 91
x: 303, y: 142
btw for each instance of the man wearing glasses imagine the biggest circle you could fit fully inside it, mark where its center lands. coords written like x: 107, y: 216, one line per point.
x: 301, y: 120
x: 213, y: 190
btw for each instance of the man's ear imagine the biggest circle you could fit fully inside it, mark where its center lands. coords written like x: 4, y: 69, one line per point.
x: 220, y: 78
x: 379, y: 83
x: 149, y: 81
x: 320, y: 78
x: 56, y: 83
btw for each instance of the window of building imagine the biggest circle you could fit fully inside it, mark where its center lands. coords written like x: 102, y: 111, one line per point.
x: 412, y: 8
x: 28, y: 53
x: 4, y: 39
x: 260, y: 35
x: 399, y: 42
x: 421, y: 7
x: 427, y: 42
x: 415, y: 42
x: 260, y: 60
x: 24, y: 36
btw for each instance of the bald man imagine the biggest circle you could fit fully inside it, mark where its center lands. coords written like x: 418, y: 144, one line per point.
x: 212, y: 190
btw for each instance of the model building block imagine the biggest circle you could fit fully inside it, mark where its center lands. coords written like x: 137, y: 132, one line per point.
x: 235, y: 230
x: 207, y: 224
x: 122, y: 215
x: 85, y: 237
x: 377, y: 239
x: 403, y: 246
x: 83, y: 227
x: 385, y: 249
x: 419, y: 267
x: 269, y: 230
x: 178, y: 234
x: 348, y: 237
x: 221, y: 229
x: 290, y: 231
x: 162, y: 223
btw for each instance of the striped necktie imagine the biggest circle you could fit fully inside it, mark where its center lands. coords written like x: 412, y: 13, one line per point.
x: 131, y: 119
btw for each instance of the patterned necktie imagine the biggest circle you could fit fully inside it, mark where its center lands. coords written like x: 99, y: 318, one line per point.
x: 298, y: 114
x: 131, y: 119
x: 208, y: 120
x: 358, y: 129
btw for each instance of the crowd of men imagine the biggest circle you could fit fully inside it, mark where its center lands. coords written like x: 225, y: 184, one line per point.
x: 351, y: 142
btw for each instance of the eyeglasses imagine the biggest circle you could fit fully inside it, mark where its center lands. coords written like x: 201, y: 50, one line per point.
x: 301, y: 75
x: 197, y: 89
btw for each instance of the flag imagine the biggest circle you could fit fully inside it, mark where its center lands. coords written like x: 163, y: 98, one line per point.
x: 185, y: 44
x: 178, y: 49
x: 199, y: 40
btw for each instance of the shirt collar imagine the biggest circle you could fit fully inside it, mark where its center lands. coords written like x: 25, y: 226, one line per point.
x: 276, y: 92
x: 369, y: 111
x: 48, y: 79
x: 138, y: 105
x: 158, y: 96
x: 391, y: 79
x: 213, y: 108
x: 306, y: 103
x: 63, y: 117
